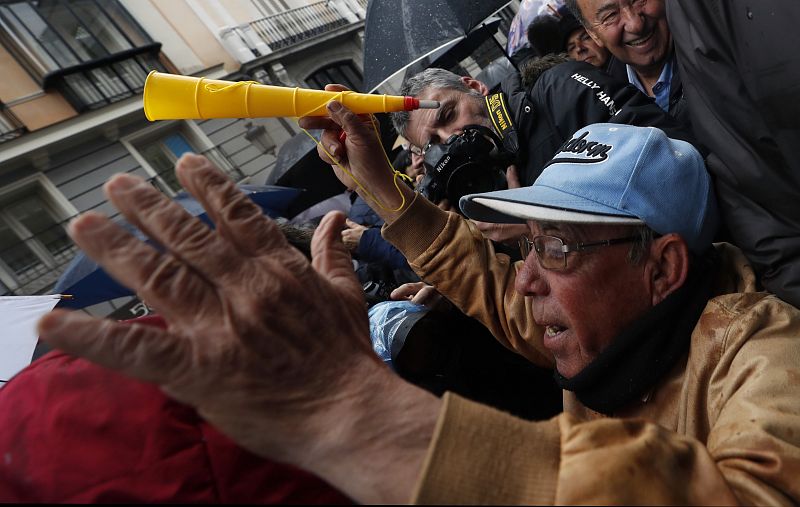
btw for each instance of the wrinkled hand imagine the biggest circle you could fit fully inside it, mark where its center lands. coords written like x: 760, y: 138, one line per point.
x: 351, y: 235
x: 240, y: 346
x: 420, y: 293
x: 504, y: 233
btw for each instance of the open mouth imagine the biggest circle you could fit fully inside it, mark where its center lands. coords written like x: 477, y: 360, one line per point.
x: 552, y: 331
x: 641, y: 41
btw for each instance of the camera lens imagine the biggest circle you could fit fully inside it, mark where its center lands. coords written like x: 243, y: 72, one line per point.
x: 472, y: 178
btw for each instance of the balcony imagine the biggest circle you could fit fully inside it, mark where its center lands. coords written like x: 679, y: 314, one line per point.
x: 10, y: 126
x: 297, y: 25
x: 93, y: 52
x: 93, y: 86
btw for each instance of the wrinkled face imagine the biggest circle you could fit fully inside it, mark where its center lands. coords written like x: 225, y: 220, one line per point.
x: 634, y: 31
x: 456, y: 109
x: 581, y: 47
x: 583, y: 307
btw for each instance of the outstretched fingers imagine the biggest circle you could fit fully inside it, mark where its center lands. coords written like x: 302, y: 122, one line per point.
x: 169, y: 224
x: 145, y: 352
x: 158, y: 277
x: 238, y: 219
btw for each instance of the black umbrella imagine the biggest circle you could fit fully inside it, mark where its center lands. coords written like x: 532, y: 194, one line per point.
x: 450, y: 55
x: 401, y: 32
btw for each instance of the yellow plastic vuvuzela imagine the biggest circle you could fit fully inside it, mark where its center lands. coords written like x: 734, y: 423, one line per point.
x: 176, y: 97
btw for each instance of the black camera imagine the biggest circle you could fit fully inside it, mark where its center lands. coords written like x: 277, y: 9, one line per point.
x: 467, y: 163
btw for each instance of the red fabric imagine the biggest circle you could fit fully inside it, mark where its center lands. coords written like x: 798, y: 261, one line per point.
x: 71, y: 431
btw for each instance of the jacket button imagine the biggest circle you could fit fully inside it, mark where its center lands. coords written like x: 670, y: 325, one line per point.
x: 527, y: 109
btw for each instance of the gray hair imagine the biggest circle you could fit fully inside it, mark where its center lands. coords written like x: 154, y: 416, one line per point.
x: 428, y: 78
x: 575, y: 9
x: 639, y: 249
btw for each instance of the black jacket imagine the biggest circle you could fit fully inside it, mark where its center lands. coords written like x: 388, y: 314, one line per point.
x: 678, y: 108
x: 741, y: 74
x: 570, y: 96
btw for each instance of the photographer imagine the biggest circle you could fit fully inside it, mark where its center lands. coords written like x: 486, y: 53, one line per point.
x: 529, y: 119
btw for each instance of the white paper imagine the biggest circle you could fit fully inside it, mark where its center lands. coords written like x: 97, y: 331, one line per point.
x: 18, y: 337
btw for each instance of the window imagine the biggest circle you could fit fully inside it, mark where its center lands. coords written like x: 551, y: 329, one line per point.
x: 158, y: 148
x: 59, y: 34
x: 345, y: 73
x: 93, y: 52
x: 34, y: 243
x: 162, y: 154
x: 98, y: 87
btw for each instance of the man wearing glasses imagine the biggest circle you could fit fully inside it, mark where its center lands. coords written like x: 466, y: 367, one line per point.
x: 681, y: 380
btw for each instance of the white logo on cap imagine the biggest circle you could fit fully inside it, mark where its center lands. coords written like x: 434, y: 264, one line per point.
x: 592, y: 151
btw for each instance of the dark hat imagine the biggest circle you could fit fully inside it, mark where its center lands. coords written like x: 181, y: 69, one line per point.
x: 544, y: 35
x: 566, y: 25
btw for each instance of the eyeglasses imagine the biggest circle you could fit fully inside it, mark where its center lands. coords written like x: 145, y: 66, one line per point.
x: 552, y: 251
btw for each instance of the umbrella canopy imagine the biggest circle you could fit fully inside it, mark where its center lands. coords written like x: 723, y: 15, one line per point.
x: 298, y: 166
x: 294, y: 153
x: 90, y: 284
x: 451, y: 54
x: 401, y: 32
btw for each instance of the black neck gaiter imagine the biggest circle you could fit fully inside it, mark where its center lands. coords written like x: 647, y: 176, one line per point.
x: 648, y: 348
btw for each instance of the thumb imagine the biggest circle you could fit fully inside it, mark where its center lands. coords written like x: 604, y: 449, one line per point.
x: 333, y: 87
x: 512, y: 176
x: 353, y: 126
x: 350, y: 223
x: 330, y: 257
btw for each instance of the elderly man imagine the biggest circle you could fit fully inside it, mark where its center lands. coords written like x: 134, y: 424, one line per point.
x: 637, y: 35
x: 681, y: 379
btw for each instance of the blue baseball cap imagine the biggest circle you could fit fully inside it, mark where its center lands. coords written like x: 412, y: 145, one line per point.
x: 614, y: 174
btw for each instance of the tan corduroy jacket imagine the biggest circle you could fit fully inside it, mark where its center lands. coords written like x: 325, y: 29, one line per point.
x: 723, y: 427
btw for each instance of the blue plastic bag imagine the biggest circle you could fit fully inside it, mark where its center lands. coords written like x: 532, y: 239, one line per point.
x: 389, y: 323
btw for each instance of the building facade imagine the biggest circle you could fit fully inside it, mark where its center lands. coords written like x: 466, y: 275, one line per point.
x: 71, y: 105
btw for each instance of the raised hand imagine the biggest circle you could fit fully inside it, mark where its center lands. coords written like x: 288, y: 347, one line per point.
x: 420, y: 293
x: 351, y: 235
x: 363, y: 163
x: 263, y: 344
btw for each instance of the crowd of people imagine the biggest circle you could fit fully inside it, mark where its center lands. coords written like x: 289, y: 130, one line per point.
x: 613, y: 282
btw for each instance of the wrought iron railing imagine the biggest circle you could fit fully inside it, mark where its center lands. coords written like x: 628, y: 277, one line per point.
x: 92, y: 88
x: 296, y: 25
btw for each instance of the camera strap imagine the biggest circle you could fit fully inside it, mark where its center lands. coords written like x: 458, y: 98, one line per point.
x: 503, y: 124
